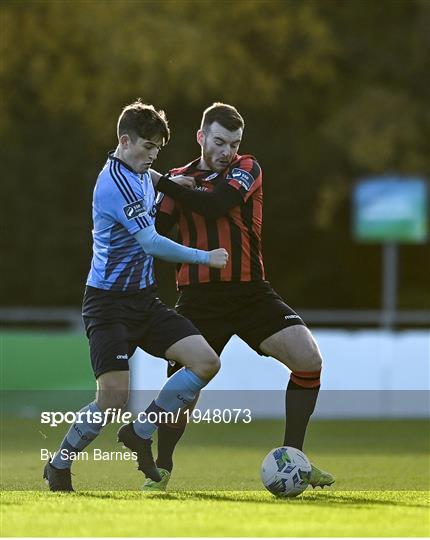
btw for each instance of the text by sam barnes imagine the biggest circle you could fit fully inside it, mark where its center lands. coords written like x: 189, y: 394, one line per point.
x: 97, y: 454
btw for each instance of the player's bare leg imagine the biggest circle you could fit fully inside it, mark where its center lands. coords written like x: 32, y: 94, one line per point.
x: 195, y: 354
x: 295, y: 347
x: 113, y: 389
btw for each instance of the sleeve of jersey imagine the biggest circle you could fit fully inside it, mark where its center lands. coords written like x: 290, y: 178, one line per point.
x: 159, y: 246
x: 164, y: 223
x: 245, y: 177
x: 166, y: 216
x: 213, y: 205
x: 166, y: 204
x: 125, y: 201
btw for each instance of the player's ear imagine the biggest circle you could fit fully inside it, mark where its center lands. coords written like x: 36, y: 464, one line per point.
x: 200, y: 137
x: 124, y: 140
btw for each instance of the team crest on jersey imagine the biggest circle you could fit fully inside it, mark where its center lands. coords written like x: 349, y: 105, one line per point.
x: 134, y: 210
x: 244, y: 178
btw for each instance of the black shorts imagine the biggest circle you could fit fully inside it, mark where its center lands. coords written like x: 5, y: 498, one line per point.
x: 117, y: 323
x: 251, y: 310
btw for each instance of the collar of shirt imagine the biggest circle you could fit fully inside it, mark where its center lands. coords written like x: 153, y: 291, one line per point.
x: 192, y: 168
x: 123, y: 163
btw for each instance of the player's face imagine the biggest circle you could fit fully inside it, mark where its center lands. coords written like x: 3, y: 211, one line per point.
x: 141, y: 153
x: 219, y: 146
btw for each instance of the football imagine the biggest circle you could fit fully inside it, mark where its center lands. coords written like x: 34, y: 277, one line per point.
x: 286, y: 471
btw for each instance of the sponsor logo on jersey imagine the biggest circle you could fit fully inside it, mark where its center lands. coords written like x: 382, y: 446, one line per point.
x: 244, y: 178
x: 122, y: 356
x: 291, y: 317
x: 135, y: 209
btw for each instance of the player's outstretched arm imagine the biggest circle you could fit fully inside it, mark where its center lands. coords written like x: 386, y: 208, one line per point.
x: 185, y: 181
x: 213, y: 205
x: 161, y: 247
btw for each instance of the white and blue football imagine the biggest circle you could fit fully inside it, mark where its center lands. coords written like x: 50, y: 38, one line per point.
x: 286, y: 471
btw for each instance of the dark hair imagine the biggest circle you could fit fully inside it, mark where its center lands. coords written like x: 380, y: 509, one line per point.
x: 226, y: 115
x: 141, y: 120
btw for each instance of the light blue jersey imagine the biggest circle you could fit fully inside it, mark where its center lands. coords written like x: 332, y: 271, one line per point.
x: 123, y: 204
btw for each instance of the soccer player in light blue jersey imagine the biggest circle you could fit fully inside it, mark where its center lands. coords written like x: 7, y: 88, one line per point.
x: 121, y: 309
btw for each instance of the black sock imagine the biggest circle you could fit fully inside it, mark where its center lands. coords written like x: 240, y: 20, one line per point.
x: 168, y: 438
x: 299, y: 406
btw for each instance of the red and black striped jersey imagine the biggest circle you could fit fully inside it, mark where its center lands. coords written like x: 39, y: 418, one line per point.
x: 238, y: 229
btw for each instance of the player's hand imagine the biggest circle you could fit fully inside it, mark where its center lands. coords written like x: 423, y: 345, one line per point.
x: 184, y: 181
x: 218, y: 258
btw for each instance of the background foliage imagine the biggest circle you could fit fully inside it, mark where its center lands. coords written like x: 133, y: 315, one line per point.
x: 331, y: 90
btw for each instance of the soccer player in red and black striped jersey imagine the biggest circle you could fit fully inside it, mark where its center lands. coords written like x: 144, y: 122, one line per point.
x: 225, y: 210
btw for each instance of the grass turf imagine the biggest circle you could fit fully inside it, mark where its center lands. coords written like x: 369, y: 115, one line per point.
x: 210, y: 513
x: 382, y: 471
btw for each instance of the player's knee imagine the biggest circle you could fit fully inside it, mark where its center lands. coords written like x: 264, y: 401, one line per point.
x: 207, y: 366
x: 112, y: 390
x: 311, y: 359
x: 213, y: 364
x: 111, y: 397
x: 305, y: 358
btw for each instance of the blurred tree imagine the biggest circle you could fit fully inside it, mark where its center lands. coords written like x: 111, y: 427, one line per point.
x: 330, y: 91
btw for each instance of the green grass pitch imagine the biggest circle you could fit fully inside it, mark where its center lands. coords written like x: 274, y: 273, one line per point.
x: 382, y: 487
